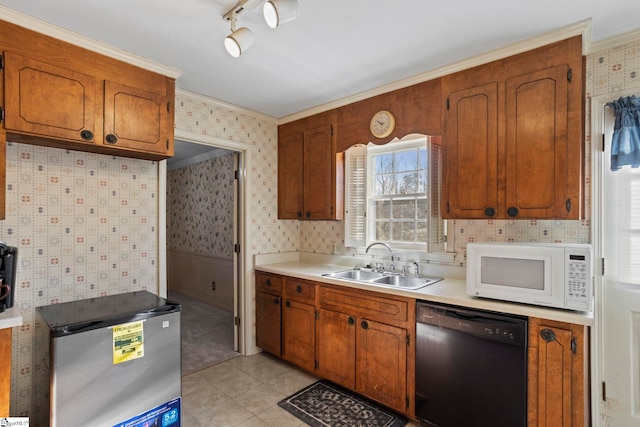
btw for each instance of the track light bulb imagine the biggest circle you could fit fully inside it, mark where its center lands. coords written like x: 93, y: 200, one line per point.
x: 238, y: 41
x: 278, y: 12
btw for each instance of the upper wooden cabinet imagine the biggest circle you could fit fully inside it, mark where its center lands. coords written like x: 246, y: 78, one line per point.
x: 60, y: 95
x: 513, y: 136
x: 310, y: 171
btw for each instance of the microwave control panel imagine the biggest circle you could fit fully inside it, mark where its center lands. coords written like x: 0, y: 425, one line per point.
x: 578, y: 280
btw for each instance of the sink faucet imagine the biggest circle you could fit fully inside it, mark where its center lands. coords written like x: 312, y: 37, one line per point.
x: 416, y: 268
x: 392, y: 267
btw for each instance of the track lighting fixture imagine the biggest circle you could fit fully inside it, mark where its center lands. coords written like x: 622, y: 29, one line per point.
x: 278, y: 12
x: 239, y: 40
x: 275, y: 12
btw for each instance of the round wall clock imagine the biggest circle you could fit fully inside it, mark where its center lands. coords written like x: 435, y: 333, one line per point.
x: 382, y: 124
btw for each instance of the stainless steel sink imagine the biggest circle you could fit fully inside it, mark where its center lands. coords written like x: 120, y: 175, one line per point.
x: 357, y: 275
x: 390, y: 280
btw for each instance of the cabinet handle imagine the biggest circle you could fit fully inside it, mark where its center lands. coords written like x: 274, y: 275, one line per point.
x: 288, y: 304
x: 513, y: 211
x: 364, y: 324
x: 351, y: 320
x: 268, y: 282
x: 548, y: 335
x: 489, y: 211
x: 86, y: 134
x: 276, y: 301
x: 308, y: 215
x: 299, y: 214
x: 299, y: 289
x: 111, y: 138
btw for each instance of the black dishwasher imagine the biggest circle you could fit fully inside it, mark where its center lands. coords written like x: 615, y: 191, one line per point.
x: 471, y: 367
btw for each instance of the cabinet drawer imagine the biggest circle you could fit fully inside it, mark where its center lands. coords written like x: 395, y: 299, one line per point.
x: 298, y: 290
x: 268, y: 283
x: 388, y: 309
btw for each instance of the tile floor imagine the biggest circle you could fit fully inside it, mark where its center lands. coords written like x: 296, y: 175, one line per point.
x: 243, y: 391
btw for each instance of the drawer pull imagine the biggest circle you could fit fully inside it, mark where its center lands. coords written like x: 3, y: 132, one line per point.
x: 299, y: 289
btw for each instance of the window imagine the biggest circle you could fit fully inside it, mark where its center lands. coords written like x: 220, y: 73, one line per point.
x: 393, y: 195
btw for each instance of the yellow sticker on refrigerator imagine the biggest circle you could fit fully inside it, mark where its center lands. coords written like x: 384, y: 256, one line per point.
x: 128, y: 342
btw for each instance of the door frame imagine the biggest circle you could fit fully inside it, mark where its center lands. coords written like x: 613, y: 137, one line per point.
x: 242, y: 271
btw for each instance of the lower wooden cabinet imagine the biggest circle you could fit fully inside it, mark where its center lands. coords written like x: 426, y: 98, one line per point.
x: 366, y: 343
x: 361, y: 340
x: 381, y: 363
x: 558, y: 379
x: 269, y: 313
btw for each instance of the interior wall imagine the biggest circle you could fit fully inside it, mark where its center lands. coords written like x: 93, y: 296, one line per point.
x: 200, y: 200
x: 85, y: 226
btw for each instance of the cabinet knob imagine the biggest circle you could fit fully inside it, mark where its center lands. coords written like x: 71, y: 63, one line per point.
x: 288, y: 304
x: 489, y: 211
x: 308, y: 214
x: 351, y: 320
x: 364, y: 324
x: 512, y: 211
x: 299, y: 289
x: 299, y: 214
x: 86, y: 134
x: 268, y: 282
x: 548, y: 335
x: 276, y: 301
x: 111, y: 138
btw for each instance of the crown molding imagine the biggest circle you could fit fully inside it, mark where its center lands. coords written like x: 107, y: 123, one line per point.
x: 63, y: 34
x: 225, y: 105
x: 582, y: 28
x: 615, y: 41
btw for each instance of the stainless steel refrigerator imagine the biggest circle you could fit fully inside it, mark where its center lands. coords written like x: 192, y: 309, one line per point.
x: 112, y: 361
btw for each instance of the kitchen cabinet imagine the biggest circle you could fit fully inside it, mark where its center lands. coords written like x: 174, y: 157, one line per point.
x: 80, y: 111
x: 310, y: 171
x: 299, y: 323
x: 5, y: 371
x: 558, y: 374
x: 365, y: 343
x: 513, y: 136
x: 269, y: 313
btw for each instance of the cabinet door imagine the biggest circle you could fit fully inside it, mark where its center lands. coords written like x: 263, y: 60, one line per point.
x: 136, y: 119
x: 471, y: 153
x: 298, y: 334
x: 381, y: 360
x: 319, y: 182
x: 536, y: 144
x: 268, y: 322
x: 290, y: 163
x: 43, y: 99
x: 556, y: 374
x: 337, y: 347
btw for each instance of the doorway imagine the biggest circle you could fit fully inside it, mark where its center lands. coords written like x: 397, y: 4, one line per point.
x: 210, y: 254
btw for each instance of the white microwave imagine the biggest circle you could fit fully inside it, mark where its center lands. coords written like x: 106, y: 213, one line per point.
x: 552, y: 275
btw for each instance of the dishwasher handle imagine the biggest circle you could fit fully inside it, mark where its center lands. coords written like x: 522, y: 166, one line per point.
x: 493, y: 326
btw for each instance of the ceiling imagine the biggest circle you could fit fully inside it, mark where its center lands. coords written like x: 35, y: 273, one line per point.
x: 334, y: 49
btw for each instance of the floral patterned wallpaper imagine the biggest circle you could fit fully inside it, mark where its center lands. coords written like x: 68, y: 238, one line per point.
x: 85, y: 226
x: 200, y: 199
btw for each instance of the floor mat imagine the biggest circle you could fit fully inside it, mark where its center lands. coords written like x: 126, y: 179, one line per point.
x: 323, y: 404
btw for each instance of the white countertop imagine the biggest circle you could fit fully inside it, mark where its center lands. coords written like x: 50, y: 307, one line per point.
x: 448, y: 291
x: 10, y: 317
